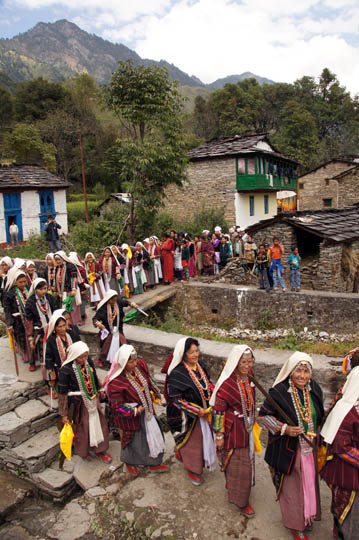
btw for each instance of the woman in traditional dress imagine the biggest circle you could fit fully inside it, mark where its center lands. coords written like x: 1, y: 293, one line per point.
x: 109, y: 320
x: 131, y: 391
x: 177, y: 261
x: 79, y: 399
x: 233, y: 402
x: 5, y: 265
x: 38, y: 310
x: 290, y: 456
x: 167, y: 249
x: 207, y: 251
x: 188, y: 391
x: 15, y: 298
x: 94, y: 278
x: 49, y: 272
x: 66, y: 279
x: 82, y: 283
x: 198, y: 254
x: 111, y: 271
x: 341, y: 470
x: 140, y: 262
x: 59, y: 337
x: 154, y: 253
x: 31, y: 273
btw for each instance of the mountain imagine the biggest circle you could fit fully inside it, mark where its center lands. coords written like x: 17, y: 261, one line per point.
x: 233, y: 79
x: 62, y: 49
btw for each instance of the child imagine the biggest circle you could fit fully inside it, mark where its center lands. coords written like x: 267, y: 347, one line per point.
x: 276, y: 253
x: 185, y: 260
x: 224, y: 252
x: 294, y: 260
x: 262, y: 263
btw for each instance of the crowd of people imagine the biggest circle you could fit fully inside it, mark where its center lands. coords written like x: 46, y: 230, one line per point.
x: 211, y: 423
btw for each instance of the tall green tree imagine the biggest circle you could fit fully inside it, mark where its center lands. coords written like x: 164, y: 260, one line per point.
x: 35, y: 99
x: 153, y: 153
x: 24, y: 145
x: 6, y: 107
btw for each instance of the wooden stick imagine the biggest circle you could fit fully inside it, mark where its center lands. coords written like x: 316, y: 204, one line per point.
x: 272, y: 401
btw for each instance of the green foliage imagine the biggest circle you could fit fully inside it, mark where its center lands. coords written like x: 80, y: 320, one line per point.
x: 36, y: 247
x: 72, y: 197
x: 265, y: 321
x: 76, y: 210
x: 99, y: 191
x: 35, y: 99
x: 289, y: 342
x: 6, y: 107
x: 205, y: 219
x: 24, y: 145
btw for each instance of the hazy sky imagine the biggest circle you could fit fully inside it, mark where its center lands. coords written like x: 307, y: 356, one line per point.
x: 279, y: 39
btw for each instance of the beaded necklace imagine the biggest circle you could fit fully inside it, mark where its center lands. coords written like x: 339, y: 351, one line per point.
x: 86, y: 379
x: 304, y: 411
x: 51, y: 275
x: 42, y: 305
x: 307, y: 426
x: 112, y: 315
x: 22, y: 297
x: 247, y: 403
x: 59, y: 278
x: 62, y: 346
x: 197, y: 381
x: 143, y: 392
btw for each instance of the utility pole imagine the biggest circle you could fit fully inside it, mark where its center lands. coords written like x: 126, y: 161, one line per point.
x: 83, y: 177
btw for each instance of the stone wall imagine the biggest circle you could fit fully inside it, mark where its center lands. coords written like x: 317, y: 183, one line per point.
x: 211, y: 184
x: 247, y: 308
x: 348, y: 187
x: 329, y: 275
x: 286, y: 234
x: 315, y: 188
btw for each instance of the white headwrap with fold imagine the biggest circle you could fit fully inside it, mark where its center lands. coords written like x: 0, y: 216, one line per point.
x: 50, y: 256
x: 7, y: 260
x: 13, y: 274
x: 289, y: 366
x: 342, y: 407
x: 124, y: 246
x: 74, y: 258
x: 63, y: 256
x: 57, y: 314
x: 232, y: 362
x: 119, y: 363
x: 74, y: 351
x: 177, y: 354
x: 88, y: 254
x: 29, y: 263
x: 109, y: 294
x: 35, y: 285
x: 18, y: 263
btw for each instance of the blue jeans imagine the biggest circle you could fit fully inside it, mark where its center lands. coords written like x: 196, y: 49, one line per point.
x: 54, y: 245
x: 295, y: 278
x: 277, y: 273
x: 263, y: 279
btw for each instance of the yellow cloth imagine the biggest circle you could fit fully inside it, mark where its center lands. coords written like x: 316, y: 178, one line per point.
x: 127, y: 291
x: 257, y: 443
x: 91, y: 278
x: 11, y: 341
x: 66, y: 438
x: 321, y: 457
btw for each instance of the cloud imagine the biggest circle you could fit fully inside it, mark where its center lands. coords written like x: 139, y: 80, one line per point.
x: 280, y: 40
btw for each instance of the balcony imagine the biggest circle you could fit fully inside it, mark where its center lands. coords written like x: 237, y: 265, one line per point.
x: 252, y: 182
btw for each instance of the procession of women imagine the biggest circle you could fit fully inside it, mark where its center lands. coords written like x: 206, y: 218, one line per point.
x: 215, y: 424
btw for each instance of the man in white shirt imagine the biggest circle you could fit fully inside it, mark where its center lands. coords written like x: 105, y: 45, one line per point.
x: 14, y: 233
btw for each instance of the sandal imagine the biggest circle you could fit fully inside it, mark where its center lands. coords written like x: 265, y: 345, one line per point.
x: 247, y: 511
x: 298, y: 535
x: 32, y: 367
x: 196, y: 479
x: 159, y: 468
x: 106, y: 458
x: 132, y: 469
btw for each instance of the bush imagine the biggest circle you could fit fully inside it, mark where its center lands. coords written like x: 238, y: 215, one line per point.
x: 76, y: 211
x: 36, y: 247
x: 205, y: 219
x: 72, y: 197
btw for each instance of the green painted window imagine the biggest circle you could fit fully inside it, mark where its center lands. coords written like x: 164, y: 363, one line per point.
x: 327, y: 203
x: 301, y: 186
x: 266, y: 204
x: 251, y: 205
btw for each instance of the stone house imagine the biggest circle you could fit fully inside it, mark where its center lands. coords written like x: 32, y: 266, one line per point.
x: 241, y: 174
x: 112, y: 201
x: 28, y: 194
x: 334, y: 184
x: 328, y: 242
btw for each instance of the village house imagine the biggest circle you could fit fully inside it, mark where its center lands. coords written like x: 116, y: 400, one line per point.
x: 242, y: 174
x: 334, y: 184
x: 328, y: 242
x: 28, y: 195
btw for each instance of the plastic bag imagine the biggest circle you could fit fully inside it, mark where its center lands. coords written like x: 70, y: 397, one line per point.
x: 66, y: 438
x: 257, y: 443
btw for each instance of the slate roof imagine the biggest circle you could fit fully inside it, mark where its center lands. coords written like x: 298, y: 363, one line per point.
x: 337, y: 225
x: 233, y: 146
x: 29, y: 176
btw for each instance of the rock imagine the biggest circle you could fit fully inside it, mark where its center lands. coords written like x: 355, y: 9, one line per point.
x: 323, y: 334
x: 31, y: 410
x: 72, y: 523
x: 91, y: 509
x: 88, y: 473
x: 96, y: 491
x: 13, y: 429
x: 13, y: 492
x: 47, y: 401
x: 45, y: 443
x: 113, y: 489
x: 53, y: 479
x: 15, y: 533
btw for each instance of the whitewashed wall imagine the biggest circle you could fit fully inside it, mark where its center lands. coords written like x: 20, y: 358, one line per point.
x: 2, y: 221
x: 242, y: 208
x: 61, y: 209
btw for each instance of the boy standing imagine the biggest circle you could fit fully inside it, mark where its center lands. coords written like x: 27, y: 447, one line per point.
x: 262, y: 263
x: 294, y: 266
x: 276, y: 253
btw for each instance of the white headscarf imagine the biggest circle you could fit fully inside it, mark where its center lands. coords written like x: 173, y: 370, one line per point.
x: 218, y: 229
x: 232, y: 362
x: 74, y: 351
x: 57, y: 314
x: 50, y: 256
x: 290, y: 365
x: 35, y: 285
x: 205, y: 231
x: 63, y: 256
x: 29, y: 263
x: 109, y: 294
x: 74, y: 258
x: 13, y: 274
x: 177, y: 354
x: 119, y: 362
x: 18, y: 263
x: 88, y: 254
x: 342, y: 407
x: 7, y: 260
x: 124, y: 246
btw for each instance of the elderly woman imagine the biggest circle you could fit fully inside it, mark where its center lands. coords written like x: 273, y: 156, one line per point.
x: 38, y: 309
x: 109, y: 320
x: 79, y: 393
x: 291, y: 450
x: 131, y: 392
x: 188, y: 391
x: 58, y: 340
x: 154, y: 253
x: 233, y: 402
x: 15, y: 298
x: 341, y: 470
x: 94, y: 278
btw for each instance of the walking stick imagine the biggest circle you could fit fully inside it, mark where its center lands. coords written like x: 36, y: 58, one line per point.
x: 272, y: 401
x: 11, y: 335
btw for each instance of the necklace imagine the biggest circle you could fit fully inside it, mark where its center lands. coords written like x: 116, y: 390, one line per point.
x: 305, y: 411
x: 42, y: 305
x: 63, y: 345
x: 197, y: 381
x: 247, y: 403
x: 143, y: 392
x: 112, y: 315
x: 133, y: 377
x: 87, y: 380
x: 22, y: 297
